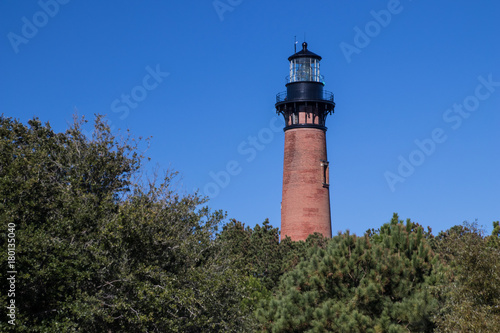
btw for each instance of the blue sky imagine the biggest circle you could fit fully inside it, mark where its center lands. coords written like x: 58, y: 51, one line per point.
x: 416, y: 84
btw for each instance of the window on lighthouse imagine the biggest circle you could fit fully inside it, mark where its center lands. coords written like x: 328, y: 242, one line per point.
x: 304, y: 69
x: 326, y: 180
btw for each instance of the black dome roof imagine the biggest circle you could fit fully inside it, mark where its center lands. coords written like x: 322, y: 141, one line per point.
x: 304, y: 53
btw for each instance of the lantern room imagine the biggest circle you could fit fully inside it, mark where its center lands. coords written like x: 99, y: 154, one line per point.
x: 304, y: 66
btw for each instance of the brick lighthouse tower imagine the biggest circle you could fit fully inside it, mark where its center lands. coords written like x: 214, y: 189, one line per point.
x: 305, y: 206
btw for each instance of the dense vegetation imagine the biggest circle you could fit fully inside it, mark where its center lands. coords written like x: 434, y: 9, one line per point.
x: 98, y: 248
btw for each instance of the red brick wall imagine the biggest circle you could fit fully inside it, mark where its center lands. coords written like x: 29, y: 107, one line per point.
x: 305, y: 206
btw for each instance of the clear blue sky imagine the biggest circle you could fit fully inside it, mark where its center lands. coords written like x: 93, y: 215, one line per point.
x: 429, y: 71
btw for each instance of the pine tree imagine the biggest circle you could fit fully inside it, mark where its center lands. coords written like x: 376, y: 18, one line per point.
x: 359, y: 284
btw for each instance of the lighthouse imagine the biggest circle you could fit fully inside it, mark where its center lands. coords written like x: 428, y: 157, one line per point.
x: 305, y: 205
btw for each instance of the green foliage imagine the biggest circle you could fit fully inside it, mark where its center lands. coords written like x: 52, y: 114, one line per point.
x: 494, y: 239
x: 55, y: 188
x: 259, y: 253
x: 359, y: 284
x: 256, y: 252
x: 471, y: 299
x: 97, y: 252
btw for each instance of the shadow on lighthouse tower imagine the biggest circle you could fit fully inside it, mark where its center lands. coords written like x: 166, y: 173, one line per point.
x: 305, y: 206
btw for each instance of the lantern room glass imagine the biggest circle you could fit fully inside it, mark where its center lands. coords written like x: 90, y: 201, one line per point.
x: 304, y: 69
